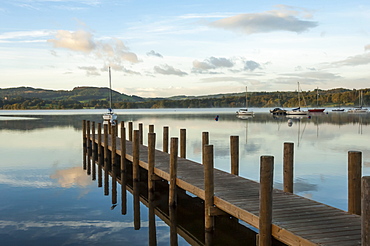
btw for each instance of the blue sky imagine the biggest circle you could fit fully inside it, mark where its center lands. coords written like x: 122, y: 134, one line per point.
x: 167, y: 48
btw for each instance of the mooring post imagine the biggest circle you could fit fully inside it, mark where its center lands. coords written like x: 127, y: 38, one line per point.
x: 234, y: 154
x: 288, y: 166
x: 135, y: 156
x: 130, y: 130
x: 84, y: 133
x: 100, y: 173
x: 88, y: 136
x: 183, y: 143
x: 173, y: 172
x: 354, y: 182
x: 93, y: 149
x: 365, y: 213
x: 151, y: 161
x: 151, y: 128
x: 109, y: 127
x: 266, y: 188
x: 106, y: 169
x: 165, y: 139
x: 123, y: 169
x: 208, y: 164
x: 114, y: 164
x: 141, y: 133
x: 205, y: 141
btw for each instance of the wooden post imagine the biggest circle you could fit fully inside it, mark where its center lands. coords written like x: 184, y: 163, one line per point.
x: 151, y: 128
x: 183, y: 143
x: 288, y: 167
x: 266, y: 188
x: 173, y: 226
x: 106, y: 175
x: 365, y: 213
x: 93, y: 144
x: 208, y: 187
x: 354, y: 182
x: 88, y: 148
x: 151, y: 161
x: 141, y: 133
x: 136, y: 195
x: 123, y: 170
x: 84, y: 133
x: 135, y: 156
x: 114, y: 164
x: 130, y: 130
x: 100, y: 173
x: 205, y: 141
x: 165, y: 139
x: 234, y: 154
x: 172, y: 199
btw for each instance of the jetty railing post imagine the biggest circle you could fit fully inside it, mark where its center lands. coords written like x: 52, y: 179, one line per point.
x: 100, y: 184
x: 365, y: 213
x: 173, y: 172
x: 165, y: 139
x: 354, y: 182
x: 151, y: 128
x: 114, y: 165
x: 183, y: 143
x: 208, y: 164
x: 234, y: 154
x: 141, y: 133
x: 205, y: 141
x: 135, y: 156
x: 266, y: 188
x: 106, y: 175
x: 93, y: 145
x: 288, y: 167
x: 130, y: 129
x: 123, y: 170
x: 151, y: 161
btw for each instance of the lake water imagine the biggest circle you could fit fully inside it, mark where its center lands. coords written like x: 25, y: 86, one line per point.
x: 47, y: 198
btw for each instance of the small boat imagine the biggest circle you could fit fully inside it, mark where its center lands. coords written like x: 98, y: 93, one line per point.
x: 317, y: 110
x: 278, y: 111
x: 360, y: 109
x: 110, y: 116
x: 338, y: 110
x: 245, y: 111
x: 297, y: 111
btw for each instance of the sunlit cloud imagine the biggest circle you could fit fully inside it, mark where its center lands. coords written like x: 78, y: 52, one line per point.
x: 367, y: 47
x: 285, y: 18
x: 68, y: 178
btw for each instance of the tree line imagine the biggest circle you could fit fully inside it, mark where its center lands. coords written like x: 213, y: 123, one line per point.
x: 329, y: 98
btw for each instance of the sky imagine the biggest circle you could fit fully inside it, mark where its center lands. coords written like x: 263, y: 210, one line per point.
x: 168, y: 48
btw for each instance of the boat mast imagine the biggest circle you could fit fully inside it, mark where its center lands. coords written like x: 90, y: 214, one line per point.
x: 299, y: 101
x: 110, y: 90
x: 246, y: 97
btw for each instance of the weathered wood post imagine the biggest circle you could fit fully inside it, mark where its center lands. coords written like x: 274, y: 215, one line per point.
x: 100, y: 171
x: 173, y: 226
x: 135, y: 156
x: 88, y: 129
x: 84, y: 145
x: 365, y: 211
x: 109, y: 127
x: 266, y: 188
x: 183, y: 143
x: 114, y: 164
x: 165, y: 139
x: 93, y: 145
x: 141, y: 133
x: 123, y: 170
x: 88, y: 135
x: 205, y: 141
x: 151, y: 161
x: 151, y: 128
x: 288, y: 167
x: 173, y: 172
x: 130, y: 130
x: 234, y: 154
x: 106, y: 169
x: 354, y: 182
x: 208, y: 164
x: 136, y: 195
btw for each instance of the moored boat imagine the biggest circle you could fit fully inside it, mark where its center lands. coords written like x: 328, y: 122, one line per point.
x: 278, y: 111
x: 110, y: 116
x: 297, y: 111
x: 245, y: 111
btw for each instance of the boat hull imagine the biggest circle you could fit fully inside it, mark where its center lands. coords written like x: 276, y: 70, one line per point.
x: 316, y: 110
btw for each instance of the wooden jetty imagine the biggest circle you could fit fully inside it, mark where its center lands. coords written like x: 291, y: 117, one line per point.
x: 278, y: 214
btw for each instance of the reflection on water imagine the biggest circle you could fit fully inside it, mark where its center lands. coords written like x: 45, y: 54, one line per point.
x: 46, y: 197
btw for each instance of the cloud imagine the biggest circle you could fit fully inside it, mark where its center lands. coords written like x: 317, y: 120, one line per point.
x: 367, y: 47
x: 169, y: 70
x: 153, y: 53
x: 356, y: 60
x: 252, y: 65
x: 112, y: 51
x: 284, y: 19
x: 67, y: 178
x: 90, y: 71
x: 211, y: 63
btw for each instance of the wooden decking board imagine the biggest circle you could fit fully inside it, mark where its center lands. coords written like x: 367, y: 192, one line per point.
x: 296, y: 220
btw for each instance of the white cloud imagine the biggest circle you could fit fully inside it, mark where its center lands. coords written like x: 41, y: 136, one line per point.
x: 252, y: 65
x: 211, y: 63
x: 356, y: 60
x: 73, y: 176
x: 367, y: 47
x: 153, y: 53
x: 169, y: 70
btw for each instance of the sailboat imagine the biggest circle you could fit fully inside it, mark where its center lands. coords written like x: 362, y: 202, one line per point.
x: 317, y: 110
x: 110, y: 116
x: 297, y: 111
x: 244, y: 111
x: 360, y: 108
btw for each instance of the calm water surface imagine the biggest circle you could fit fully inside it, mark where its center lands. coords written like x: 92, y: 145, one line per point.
x: 47, y: 198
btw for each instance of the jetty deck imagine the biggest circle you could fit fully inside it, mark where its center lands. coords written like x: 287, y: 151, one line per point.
x: 295, y: 220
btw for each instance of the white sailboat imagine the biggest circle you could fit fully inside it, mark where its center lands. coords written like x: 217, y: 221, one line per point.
x: 360, y: 109
x: 110, y: 116
x: 245, y: 111
x: 297, y: 111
